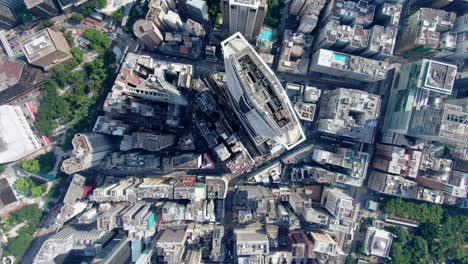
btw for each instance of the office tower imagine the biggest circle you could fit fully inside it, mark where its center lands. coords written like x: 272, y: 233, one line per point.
x: 147, y: 141
x: 244, y: 16
x: 198, y: 9
x: 296, y: 7
x: 461, y: 48
x: 381, y: 43
x: 42, y: 8
x: 461, y: 24
x: 397, y: 160
x: 258, y: 97
x: 308, y: 15
x: 173, y: 21
x: 157, y: 89
x: 348, y: 66
x: 7, y: 17
x: 147, y: 32
x: 442, y: 122
x: 194, y: 28
x: 338, y: 203
x: 349, y: 113
x: 342, y: 37
x: 388, y: 14
x: 72, y: 237
x: 419, y: 82
x: 88, y: 151
x: 423, y: 30
x: 349, y: 12
x: 12, y: 4
x: 46, y: 48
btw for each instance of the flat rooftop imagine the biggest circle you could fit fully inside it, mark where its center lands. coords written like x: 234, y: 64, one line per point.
x: 440, y: 76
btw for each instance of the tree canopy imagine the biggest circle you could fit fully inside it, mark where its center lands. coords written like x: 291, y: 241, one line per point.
x: 30, y: 215
x: 99, y: 41
x: 422, y: 212
x: 439, y: 237
x: 29, y: 187
x: 273, y: 16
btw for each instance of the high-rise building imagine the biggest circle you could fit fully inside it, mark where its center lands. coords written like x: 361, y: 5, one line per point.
x: 342, y: 37
x: 382, y: 41
x: 348, y: 66
x: 173, y: 21
x: 352, y: 164
x: 349, y: 12
x: 46, y: 49
x: 423, y: 30
x: 198, y: 9
x: 337, y: 203
x: 388, y: 14
x: 7, y: 17
x: 148, y: 33
x: 461, y: 24
x: 446, y: 123
x: 349, y: 113
x: 88, y: 151
x: 419, y: 82
x: 397, y: 160
x: 244, y: 16
x: 12, y: 4
x: 42, y: 8
x: 258, y: 97
x: 296, y: 7
x: 308, y: 15
x: 461, y: 48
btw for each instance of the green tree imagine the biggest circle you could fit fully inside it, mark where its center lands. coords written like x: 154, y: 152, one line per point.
x: 76, y: 18
x: 60, y: 74
x: 99, y: 41
x: 69, y: 37
x: 399, y: 255
x: 273, y: 15
x: 38, y: 190
x: 45, y: 24
x: 101, y: 4
x: 88, y: 7
x: 31, y: 166
x: 2, y: 168
x: 18, y: 245
x: 47, y: 162
x: 119, y: 14
x: 419, y: 249
x: 77, y: 54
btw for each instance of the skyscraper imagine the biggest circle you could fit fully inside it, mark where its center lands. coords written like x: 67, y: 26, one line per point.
x: 42, y: 8
x: 420, y: 82
x: 7, y: 18
x: 244, y: 16
x: 147, y: 32
x: 257, y: 96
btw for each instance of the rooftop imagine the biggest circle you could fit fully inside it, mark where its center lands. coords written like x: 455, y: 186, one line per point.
x: 360, y: 12
x: 263, y: 92
x: 439, y: 76
x: 378, y: 242
x: 10, y: 72
x: 349, y: 113
x: 355, y: 64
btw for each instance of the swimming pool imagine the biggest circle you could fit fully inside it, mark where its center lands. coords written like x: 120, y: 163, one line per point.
x: 266, y: 34
x: 340, y: 57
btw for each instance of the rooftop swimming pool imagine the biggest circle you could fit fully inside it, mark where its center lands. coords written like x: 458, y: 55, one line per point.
x: 266, y: 34
x: 340, y: 57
